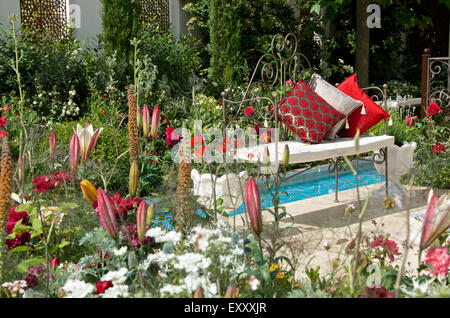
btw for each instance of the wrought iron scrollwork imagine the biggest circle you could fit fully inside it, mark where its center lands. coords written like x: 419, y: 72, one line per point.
x: 437, y: 91
x: 380, y: 157
x: 335, y: 163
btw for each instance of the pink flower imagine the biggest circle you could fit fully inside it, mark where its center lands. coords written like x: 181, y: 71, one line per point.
x: 409, y: 121
x: 248, y: 111
x: 439, y: 258
x: 6, y: 107
x: 434, y: 109
x: 388, y: 246
x: 54, y: 262
x: 253, y: 204
x: 171, y: 138
x: 438, y: 148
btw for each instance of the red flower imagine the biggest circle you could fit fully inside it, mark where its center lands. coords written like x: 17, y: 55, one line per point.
x: 13, y: 218
x: 102, y: 286
x: 410, y: 121
x: 171, y: 138
x: 439, y: 258
x: 388, y: 246
x: 196, y: 140
x: 438, y: 148
x: 255, y: 129
x: 43, y: 184
x: 434, y: 109
x: 130, y: 235
x: 248, y: 111
x: 375, y: 291
x: 2, y: 122
x: 121, y: 206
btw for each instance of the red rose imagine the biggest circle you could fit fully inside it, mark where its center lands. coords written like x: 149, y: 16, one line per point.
x: 434, y: 109
x: 102, y: 286
x: 438, y: 148
x: 248, y: 111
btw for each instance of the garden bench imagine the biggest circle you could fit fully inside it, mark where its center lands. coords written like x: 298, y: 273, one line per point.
x: 275, y: 68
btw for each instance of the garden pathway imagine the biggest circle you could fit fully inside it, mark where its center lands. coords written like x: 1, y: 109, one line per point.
x: 322, y: 223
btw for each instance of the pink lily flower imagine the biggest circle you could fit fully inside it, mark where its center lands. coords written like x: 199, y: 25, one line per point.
x: 156, y: 120
x: 141, y: 220
x: 432, y: 228
x: 52, y: 143
x: 74, y: 154
x: 107, y: 216
x: 88, y: 139
x: 253, y: 203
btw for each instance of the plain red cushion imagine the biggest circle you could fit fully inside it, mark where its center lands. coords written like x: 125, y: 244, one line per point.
x: 307, y: 114
x: 374, y: 113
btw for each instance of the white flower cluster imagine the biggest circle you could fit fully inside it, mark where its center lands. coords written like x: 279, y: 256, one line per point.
x: 205, y: 251
x: 16, y: 288
x: 118, y: 279
x: 75, y: 288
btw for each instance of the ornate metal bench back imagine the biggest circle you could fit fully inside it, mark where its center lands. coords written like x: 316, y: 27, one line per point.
x: 435, y: 81
x: 269, y: 81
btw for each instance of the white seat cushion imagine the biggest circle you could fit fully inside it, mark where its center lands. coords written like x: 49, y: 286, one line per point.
x: 301, y: 152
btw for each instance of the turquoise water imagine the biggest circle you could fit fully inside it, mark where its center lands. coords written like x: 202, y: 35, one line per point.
x: 300, y: 190
x: 309, y: 185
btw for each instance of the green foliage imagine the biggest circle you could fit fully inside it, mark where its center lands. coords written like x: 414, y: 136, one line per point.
x: 52, y: 72
x: 176, y: 61
x: 120, y: 25
x: 225, y: 30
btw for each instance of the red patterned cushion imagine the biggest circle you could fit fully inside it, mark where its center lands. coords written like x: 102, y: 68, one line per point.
x: 374, y: 113
x: 307, y: 114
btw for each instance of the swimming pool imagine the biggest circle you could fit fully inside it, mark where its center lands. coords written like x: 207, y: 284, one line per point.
x: 318, y: 182
x: 313, y: 183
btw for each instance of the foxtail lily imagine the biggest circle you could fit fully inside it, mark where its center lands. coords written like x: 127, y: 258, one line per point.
x: 74, y: 154
x: 156, y: 120
x: 285, y: 157
x: 150, y: 214
x: 146, y: 121
x: 89, y: 191
x: 141, y: 221
x: 253, y: 203
x: 107, y: 216
x: 88, y: 139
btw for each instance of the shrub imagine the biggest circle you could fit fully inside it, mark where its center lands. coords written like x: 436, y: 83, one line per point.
x: 53, y: 76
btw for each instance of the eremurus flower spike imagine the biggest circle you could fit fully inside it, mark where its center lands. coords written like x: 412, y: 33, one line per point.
x: 156, y: 120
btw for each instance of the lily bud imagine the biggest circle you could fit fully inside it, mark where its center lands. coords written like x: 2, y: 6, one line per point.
x: 266, y: 161
x: 253, y: 204
x: 150, y: 214
x: 145, y: 121
x: 74, y: 154
x: 133, y: 179
x: 107, y: 216
x: 199, y: 293
x: 156, y: 120
x: 285, y: 157
x: 139, y: 118
x: 52, y: 143
x: 141, y: 221
x: 231, y: 292
x: 89, y: 191
x: 20, y: 169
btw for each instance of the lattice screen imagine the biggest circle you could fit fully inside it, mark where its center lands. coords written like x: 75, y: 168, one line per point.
x: 158, y: 9
x: 49, y: 15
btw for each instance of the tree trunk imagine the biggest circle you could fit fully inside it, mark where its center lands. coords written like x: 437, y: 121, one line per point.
x: 362, y: 43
